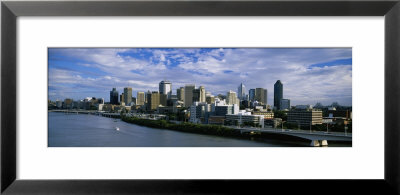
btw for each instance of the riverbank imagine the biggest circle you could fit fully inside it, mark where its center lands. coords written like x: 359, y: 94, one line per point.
x: 217, y: 130
x: 186, y: 127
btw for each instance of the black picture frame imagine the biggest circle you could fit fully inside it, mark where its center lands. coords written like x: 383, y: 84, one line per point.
x: 10, y: 10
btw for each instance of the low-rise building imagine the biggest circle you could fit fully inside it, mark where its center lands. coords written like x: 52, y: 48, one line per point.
x: 165, y: 109
x: 338, y: 113
x: 266, y: 114
x: 305, y: 117
x: 285, y: 104
x: 225, y: 109
x: 243, y: 119
x: 216, y: 120
x: 274, y: 122
x: 108, y: 107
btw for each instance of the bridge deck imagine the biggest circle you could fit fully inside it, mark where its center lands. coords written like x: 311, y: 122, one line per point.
x: 314, y: 135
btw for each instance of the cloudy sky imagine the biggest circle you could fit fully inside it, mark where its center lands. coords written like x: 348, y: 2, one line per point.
x: 309, y: 75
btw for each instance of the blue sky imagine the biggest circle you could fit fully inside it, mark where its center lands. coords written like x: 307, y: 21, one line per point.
x: 309, y: 75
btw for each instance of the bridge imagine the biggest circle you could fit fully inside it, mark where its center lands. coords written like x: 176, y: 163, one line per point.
x: 317, y: 138
x: 94, y: 112
x: 76, y: 111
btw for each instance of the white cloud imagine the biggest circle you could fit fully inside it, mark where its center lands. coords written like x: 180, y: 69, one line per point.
x: 219, y: 70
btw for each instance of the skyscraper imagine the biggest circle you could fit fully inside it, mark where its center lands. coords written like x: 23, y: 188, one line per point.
x: 265, y: 97
x: 153, y: 100
x: 180, y: 93
x: 165, y: 87
x: 241, y: 91
x: 189, y: 94
x: 252, y: 94
x: 196, y: 95
x: 202, y: 94
x: 278, y: 94
x: 114, y: 96
x: 259, y: 96
x: 163, y: 99
x: 121, y: 98
x: 231, y: 97
x: 127, y: 95
x: 140, y: 98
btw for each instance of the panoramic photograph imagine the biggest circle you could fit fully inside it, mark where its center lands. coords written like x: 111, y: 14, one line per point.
x: 199, y: 97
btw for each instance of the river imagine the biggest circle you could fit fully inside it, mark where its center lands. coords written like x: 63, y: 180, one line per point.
x: 82, y: 130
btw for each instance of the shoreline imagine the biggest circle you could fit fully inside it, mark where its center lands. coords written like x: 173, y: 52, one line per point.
x: 184, y: 127
x: 213, y: 130
x: 222, y: 131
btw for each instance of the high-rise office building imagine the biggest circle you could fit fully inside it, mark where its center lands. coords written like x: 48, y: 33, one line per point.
x: 196, y: 96
x: 153, y: 100
x: 163, y: 99
x: 231, y: 97
x: 202, y: 94
x: 259, y: 96
x: 199, y: 95
x: 165, y: 87
x: 241, y: 91
x: 140, y: 100
x: 265, y: 97
x: 114, y: 96
x: 127, y: 95
x: 189, y: 94
x: 180, y: 93
x: 278, y: 94
x: 122, y: 98
x: 252, y: 94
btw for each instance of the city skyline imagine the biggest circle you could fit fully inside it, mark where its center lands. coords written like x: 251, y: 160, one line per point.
x: 309, y: 75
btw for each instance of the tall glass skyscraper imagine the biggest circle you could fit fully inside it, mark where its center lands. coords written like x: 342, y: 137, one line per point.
x: 127, y: 95
x: 278, y: 94
x: 165, y: 87
x: 252, y: 94
x: 114, y: 96
x: 241, y: 91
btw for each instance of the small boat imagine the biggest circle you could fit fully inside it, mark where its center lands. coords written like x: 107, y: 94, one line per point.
x: 117, y: 128
x: 115, y: 120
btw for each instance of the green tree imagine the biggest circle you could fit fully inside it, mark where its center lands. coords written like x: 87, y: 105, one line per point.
x: 280, y: 114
